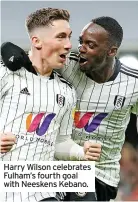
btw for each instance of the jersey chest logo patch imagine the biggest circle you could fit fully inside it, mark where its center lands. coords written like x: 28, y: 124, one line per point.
x: 25, y: 91
x: 119, y: 102
x: 39, y: 123
x: 60, y: 100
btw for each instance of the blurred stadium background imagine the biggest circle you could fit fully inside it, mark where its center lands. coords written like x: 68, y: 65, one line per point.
x: 13, y: 14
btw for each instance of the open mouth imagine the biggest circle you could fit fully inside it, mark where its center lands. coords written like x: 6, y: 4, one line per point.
x: 83, y: 60
x: 63, y: 56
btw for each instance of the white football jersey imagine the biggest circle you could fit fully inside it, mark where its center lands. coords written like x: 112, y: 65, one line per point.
x: 103, y: 112
x: 36, y: 109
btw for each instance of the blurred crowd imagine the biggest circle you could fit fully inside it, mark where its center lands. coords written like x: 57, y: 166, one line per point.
x: 128, y: 187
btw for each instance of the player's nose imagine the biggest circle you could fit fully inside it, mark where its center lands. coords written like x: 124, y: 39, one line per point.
x: 68, y: 44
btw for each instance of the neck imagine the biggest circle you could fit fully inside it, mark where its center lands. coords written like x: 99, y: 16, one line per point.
x: 104, y: 73
x: 39, y: 64
x: 42, y: 68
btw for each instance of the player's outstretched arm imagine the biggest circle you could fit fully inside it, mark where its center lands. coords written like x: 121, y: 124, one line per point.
x: 66, y: 148
x: 7, y: 140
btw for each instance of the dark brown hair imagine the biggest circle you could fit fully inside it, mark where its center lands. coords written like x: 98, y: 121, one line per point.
x: 45, y: 16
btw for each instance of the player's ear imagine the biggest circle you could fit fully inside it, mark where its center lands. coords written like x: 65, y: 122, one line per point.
x: 36, y: 42
x: 113, y: 51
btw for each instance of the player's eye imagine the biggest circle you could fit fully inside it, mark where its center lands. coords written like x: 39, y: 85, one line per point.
x: 61, y: 36
x: 91, y: 45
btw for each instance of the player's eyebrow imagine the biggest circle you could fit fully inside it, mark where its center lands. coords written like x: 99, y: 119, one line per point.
x: 64, y: 34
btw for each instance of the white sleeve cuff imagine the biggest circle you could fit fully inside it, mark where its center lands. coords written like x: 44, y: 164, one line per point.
x: 68, y: 150
x: 77, y: 152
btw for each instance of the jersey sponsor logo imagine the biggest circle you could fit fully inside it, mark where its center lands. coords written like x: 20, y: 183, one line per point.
x: 25, y: 91
x: 119, y: 102
x: 33, y: 125
x: 60, y: 100
x: 84, y: 121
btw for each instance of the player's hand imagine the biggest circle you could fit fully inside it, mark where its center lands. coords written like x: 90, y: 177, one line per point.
x: 15, y: 57
x: 7, y: 140
x: 92, y: 151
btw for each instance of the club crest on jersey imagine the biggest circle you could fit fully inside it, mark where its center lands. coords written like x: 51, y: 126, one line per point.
x: 60, y: 100
x: 119, y: 102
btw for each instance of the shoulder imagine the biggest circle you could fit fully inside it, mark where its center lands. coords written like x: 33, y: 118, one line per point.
x: 10, y: 76
x: 72, y: 62
x: 72, y: 59
x: 67, y: 87
x: 130, y: 72
x: 6, y: 79
x: 3, y: 70
x: 74, y: 56
x: 63, y: 81
x: 71, y: 66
